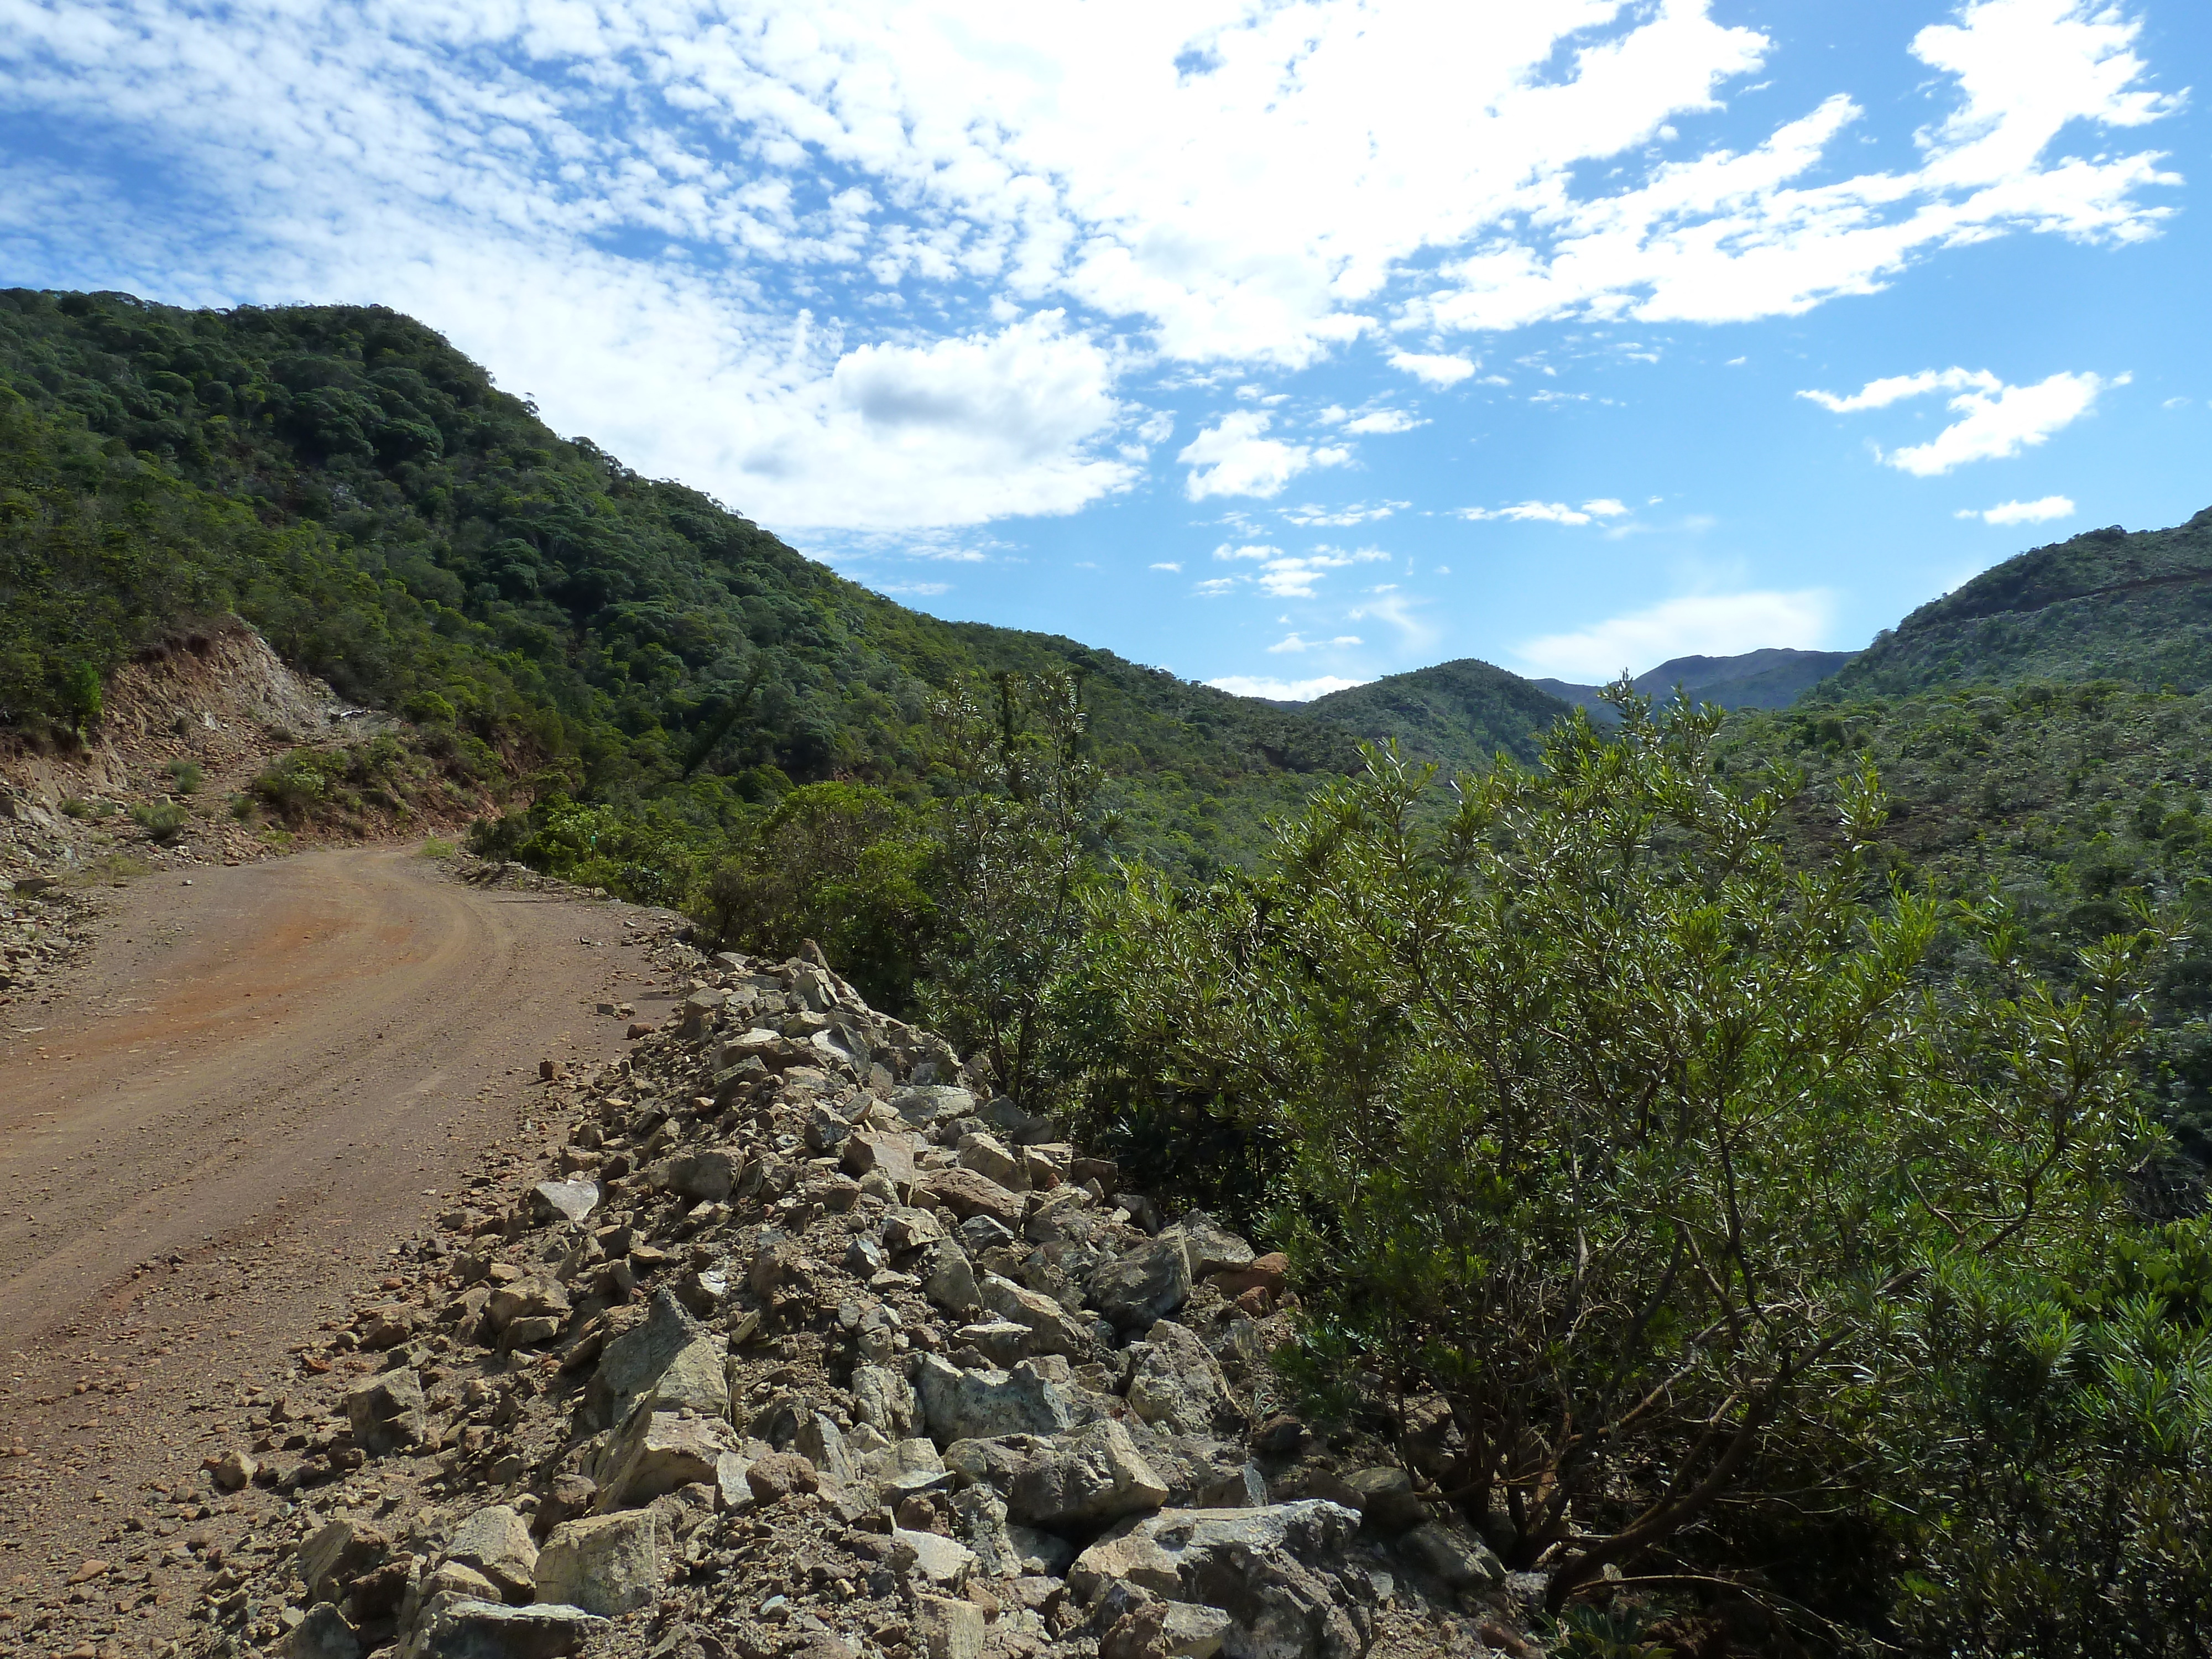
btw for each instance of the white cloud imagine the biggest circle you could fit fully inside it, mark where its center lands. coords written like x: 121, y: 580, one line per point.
x: 864, y: 263
x: 1164, y: 565
x: 1250, y: 685
x: 1289, y: 576
x: 1339, y: 518
x: 1880, y: 394
x: 1714, y: 624
x: 1437, y: 370
x: 1547, y: 512
x: 1995, y: 421
x: 913, y: 590
x: 1294, y: 642
x: 1385, y: 421
x: 1233, y: 459
x: 2041, y: 511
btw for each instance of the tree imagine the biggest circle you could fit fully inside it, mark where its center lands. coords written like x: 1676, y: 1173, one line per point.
x: 1610, y: 1127
x: 1014, y: 839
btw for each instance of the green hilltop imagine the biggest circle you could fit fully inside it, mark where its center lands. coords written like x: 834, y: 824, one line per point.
x: 2131, y: 606
x: 360, y: 490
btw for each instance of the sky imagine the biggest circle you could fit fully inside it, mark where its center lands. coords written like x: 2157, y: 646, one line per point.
x: 1282, y: 343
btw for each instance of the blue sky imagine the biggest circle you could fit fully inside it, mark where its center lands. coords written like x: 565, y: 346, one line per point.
x: 1283, y: 344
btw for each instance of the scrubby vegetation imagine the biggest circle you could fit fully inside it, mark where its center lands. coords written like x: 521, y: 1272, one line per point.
x: 1746, y: 1163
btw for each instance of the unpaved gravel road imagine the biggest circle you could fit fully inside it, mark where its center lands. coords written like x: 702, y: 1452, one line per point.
x: 262, y: 1076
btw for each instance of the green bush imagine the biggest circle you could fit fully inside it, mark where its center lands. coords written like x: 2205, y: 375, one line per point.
x: 1629, y: 1143
x: 185, y: 776
x: 294, y: 785
x: 163, y: 821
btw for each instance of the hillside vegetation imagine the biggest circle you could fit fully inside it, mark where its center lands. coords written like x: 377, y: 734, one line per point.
x: 2111, y: 604
x: 1458, y: 714
x: 1772, y: 679
x: 357, y: 489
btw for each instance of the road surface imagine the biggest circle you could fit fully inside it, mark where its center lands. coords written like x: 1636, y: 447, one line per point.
x: 260, y: 1079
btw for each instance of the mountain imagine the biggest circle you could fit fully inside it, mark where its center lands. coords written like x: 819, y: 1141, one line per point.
x: 1772, y: 679
x: 357, y: 489
x: 2108, y: 604
x: 1458, y: 714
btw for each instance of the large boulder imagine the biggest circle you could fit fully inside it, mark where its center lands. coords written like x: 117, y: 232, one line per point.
x: 605, y: 1564
x: 1145, y: 1285
x: 386, y: 1411
x: 1176, y: 1384
x: 658, y: 1452
x: 703, y: 1177
x: 495, y: 1542
x: 1280, y: 1573
x: 984, y: 1403
x: 668, y: 1360
x: 1052, y: 1329
x: 1080, y: 1482
x: 463, y: 1629
x: 968, y: 1193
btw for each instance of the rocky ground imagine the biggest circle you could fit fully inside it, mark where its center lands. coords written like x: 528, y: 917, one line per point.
x: 789, y: 1338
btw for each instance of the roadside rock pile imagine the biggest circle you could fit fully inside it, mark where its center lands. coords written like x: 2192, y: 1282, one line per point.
x: 802, y: 1341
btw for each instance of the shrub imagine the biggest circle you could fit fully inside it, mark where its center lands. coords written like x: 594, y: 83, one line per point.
x: 185, y: 776
x: 294, y: 785
x: 163, y: 820
x: 1603, y: 1124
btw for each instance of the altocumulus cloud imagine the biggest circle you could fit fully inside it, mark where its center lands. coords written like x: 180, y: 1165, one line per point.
x: 884, y: 265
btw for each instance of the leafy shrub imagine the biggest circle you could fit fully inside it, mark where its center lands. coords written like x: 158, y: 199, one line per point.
x: 185, y: 776
x: 163, y: 821
x: 294, y: 785
x: 1604, y: 1125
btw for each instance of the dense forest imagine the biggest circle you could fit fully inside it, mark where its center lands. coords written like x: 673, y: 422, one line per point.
x: 360, y: 491
x: 1751, y: 1163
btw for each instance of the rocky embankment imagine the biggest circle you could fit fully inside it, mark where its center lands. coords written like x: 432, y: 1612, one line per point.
x: 800, y: 1342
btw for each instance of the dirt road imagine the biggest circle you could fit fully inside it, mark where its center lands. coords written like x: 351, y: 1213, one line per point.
x: 264, y: 1076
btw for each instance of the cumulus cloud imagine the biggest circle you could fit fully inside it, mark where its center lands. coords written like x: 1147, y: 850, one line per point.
x: 1995, y: 421
x: 1165, y: 565
x: 1548, y: 512
x: 1294, y: 642
x: 1233, y: 458
x: 1251, y: 685
x: 1437, y: 368
x: 1712, y: 624
x: 2039, y: 511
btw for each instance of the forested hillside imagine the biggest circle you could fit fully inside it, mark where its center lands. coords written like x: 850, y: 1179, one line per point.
x: 361, y: 491
x: 2111, y: 604
x: 1458, y: 714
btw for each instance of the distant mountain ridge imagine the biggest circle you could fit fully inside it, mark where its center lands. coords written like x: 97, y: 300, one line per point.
x: 1773, y: 678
